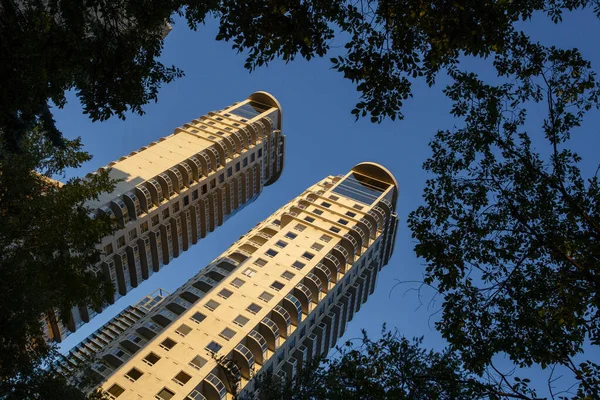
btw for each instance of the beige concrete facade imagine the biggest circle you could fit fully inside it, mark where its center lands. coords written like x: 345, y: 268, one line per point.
x: 176, y: 190
x: 277, y: 298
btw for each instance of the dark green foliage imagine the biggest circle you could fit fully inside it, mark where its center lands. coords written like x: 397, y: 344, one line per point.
x: 510, y: 229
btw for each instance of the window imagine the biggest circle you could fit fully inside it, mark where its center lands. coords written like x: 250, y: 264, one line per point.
x: 245, y: 162
x: 108, y: 249
x: 225, y: 293
x: 204, y: 189
x: 254, y: 308
x: 252, y: 157
x: 165, y: 213
x: 259, y: 153
x: 212, y: 305
x: 288, y: 275
x: 197, y: 362
x: 277, y: 285
x: 115, y: 391
x: 276, y: 222
x: 155, y: 220
x: 303, y: 332
x: 358, y: 207
x: 335, y: 229
x: 183, y: 330
x: 229, y: 172
x: 326, y: 204
x: 260, y: 262
x: 298, y: 265
x: 265, y: 296
x: 280, y: 356
x: 271, y: 253
x: 198, y: 317
x: 221, y: 178
x: 325, y: 238
x: 165, y: 394
x: 144, y: 227
x: 132, y: 234
x: 227, y: 334
x: 240, y: 320
x: 291, y: 235
x: 213, y: 184
x: 350, y: 214
x: 317, y: 246
x: 121, y: 242
x: 309, y: 219
x: 342, y: 221
x: 195, y: 195
x: 281, y: 243
x: 300, y: 227
x: 317, y: 211
x: 182, y: 378
x: 237, y: 167
x: 168, y: 344
x: 134, y: 374
x: 249, y: 272
x: 334, y: 198
x: 175, y: 207
x: 213, y: 347
x: 307, y: 255
x: 237, y: 282
x: 151, y: 359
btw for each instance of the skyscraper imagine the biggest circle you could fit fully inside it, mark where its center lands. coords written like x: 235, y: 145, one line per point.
x: 277, y: 298
x: 176, y: 190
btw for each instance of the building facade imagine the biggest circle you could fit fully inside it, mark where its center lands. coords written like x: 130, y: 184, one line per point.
x: 176, y: 190
x: 276, y: 299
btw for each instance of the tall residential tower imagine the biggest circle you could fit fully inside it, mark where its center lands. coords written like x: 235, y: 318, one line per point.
x: 176, y: 190
x: 277, y: 298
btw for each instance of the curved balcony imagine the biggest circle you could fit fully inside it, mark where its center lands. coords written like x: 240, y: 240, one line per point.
x: 258, y: 240
x: 164, y: 317
x: 304, y: 294
x: 315, y: 286
x: 372, y: 222
x: 133, y: 343
x: 206, y: 162
x: 268, y: 231
x: 194, y: 163
x: 228, y: 264
x: 231, y: 146
x: 312, y: 197
x: 166, y: 183
x: 258, y: 345
x: 384, y: 210
x: 145, y: 197
x: 216, y: 153
x: 214, y: 388
x: 149, y: 330
x: 176, y: 178
x: 241, y: 142
x: 358, y: 237
x: 324, y: 275
x: 342, y: 260
x: 196, y: 394
x: 269, y: 330
x: 364, y: 232
x: 116, y: 357
x: 178, y: 305
x: 155, y: 190
x: 243, y: 357
x: 247, y: 249
x: 188, y: 174
x: 333, y: 265
x: 205, y: 284
x: 293, y: 307
x: 282, y: 318
x: 132, y: 202
x: 191, y: 295
x: 238, y: 256
x: 216, y: 274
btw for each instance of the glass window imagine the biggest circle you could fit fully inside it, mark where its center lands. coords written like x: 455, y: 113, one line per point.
x: 254, y: 308
x: 198, y: 362
x: 227, y: 334
x: 291, y: 235
x: 221, y: 178
x: 350, y: 214
x: 259, y: 153
x: 281, y: 243
x: 277, y: 285
x: 229, y: 171
x: 240, y: 320
x: 307, y: 255
x: 213, y: 347
x: 300, y: 227
x: 116, y: 390
x: 249, y: 272
x: 334, y: 197
x: 168, y: 344
x: 342, y: 221
x: 198, y: 317
x: 212, y: 305
x: 309, y: 219
x: 245, y: 162
x: 252, y: 157
x: 151, y: 359
x: 326, y: 204
x: 204, y: 189
x: 335, y: 229
x: 317, y: 246
x: 155, y: 220
x: 325, y: 238
x: 132, y: 234
x: 260, y: 262
x: 288, y: 275
x: 134, y: 374
x: 182, y: 378
x: 237, y: 282
x: 298, y: 265
x: 317, y: 211
x: 265, y: 296
x: 225, y: 293
x: 213, y: 184
x: 175, y: 207
x: 108, y: 249
x: 358, y: 207
x: 276, y: 222
x: 237, y: 167
x: 195, y: 195
x: 121, y: 242
x: 183, y: 330
x: 271, y: 253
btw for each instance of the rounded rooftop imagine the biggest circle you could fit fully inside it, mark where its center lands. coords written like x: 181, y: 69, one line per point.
x: 381, y: 173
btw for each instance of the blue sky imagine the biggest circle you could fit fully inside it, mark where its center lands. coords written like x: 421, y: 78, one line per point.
x: 322, y: 139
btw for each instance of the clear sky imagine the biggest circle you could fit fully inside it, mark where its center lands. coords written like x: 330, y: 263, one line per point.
x: 322, y: 139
